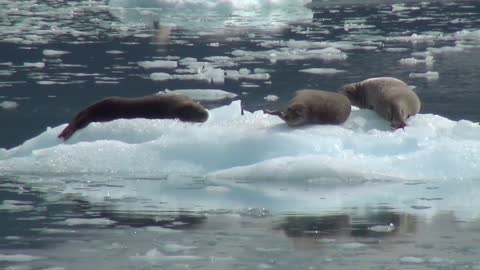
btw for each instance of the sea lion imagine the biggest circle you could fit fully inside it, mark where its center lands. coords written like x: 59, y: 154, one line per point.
x: 161, y: 106
x: 315, y: 107
x: 393, y: 99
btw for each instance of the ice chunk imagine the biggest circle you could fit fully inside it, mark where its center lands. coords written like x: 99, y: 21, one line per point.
x: 382, y: 228
x: 54, y: 53
x: 34, y: 65
x: 173, y: 247
x: 414, y: 61
x: 446, y: 49
x: 16, y: 206
x: 354, y: 245
x: 412, y: 260
x: 160, y: 76
x: 8, y: 105
x: 154, y: 257
x: 418, y: 38
x: 204, y: 94
x: 322, y: 71
x: 402, y: 7
x: 429, y: 75
x: 88, y: 221
x: 115, y: 52
x: 18, y: 258
x: 271, y: 98
x: 467, y: 35
x: 166, y: 64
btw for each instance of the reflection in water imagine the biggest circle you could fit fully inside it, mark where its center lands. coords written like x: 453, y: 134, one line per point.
x: 313, y: 232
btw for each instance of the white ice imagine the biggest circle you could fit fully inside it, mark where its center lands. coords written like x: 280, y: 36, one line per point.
x: 429, y: 75
x: 8, y: 105
x: 166, y: 64
x: 322, y: 71
x: 365, y: 140
x: 18, y: 258
x: 271, y: 98
x: 54, y: 53
x: 190, y: 14
x: 204, y: 94
x: 88, y: 221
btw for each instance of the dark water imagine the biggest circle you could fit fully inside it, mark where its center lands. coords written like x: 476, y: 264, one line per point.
x: 381, y: 235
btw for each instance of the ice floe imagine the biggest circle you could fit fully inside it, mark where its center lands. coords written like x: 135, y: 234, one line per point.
x: 8, y: 105
x: 322, y: 71
x: 166, y: 64
x: 204, y: 94
x: 271, y: 98
x: 429, y: 75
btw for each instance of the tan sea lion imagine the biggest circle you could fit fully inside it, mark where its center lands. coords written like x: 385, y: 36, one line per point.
x: 161, y: 106
x: 315, y: 107
x: 393, y: 99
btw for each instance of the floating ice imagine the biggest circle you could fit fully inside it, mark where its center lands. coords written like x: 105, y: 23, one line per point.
x: 412, y: 260
x: 271, y: 98
x: 446, y: 49
x: 16, y: 206
x: 115, y: 52
x: 88, y: 221
x: 8, y: 105
x: 268, y: 14
x: 429, y: 75
x: 246, y: 75
x: 255, y: 156
x: 204, y: 94
x: 467, y: 35
x: 172, y: 247
x: 417, y: 38
x: 328, y: 54
x: 353, y: 245
x: 34, y: 65
x: 154, y: 256
x: 322, y: 71
x: 402, y: 7
x: 54, y: 53
x: 158, y: 64
x: 18, y: 258
x: 382, y: 228
x: 414, y: 61
x: 160, y: 76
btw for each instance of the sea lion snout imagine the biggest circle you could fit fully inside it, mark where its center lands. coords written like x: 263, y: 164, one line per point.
x: 296, y: 115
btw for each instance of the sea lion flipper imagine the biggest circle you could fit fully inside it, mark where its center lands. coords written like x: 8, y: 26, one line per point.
x: 67, y: 132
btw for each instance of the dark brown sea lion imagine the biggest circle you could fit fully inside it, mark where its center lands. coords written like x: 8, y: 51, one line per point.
x: 393, y: 99
x: 315, y: 107
x: 161, y: 106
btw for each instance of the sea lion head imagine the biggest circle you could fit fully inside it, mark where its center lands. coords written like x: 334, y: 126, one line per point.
x: 296, y: 115
x: 353, y: 92
x: 192, y: 112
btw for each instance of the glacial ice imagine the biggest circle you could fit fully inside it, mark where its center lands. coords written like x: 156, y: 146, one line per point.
x: 322, y: 71
x: 8, y: 105
x: 204, y: 94
x: 257, y: 146
x: 158, y: 64
x: 429, y: 75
